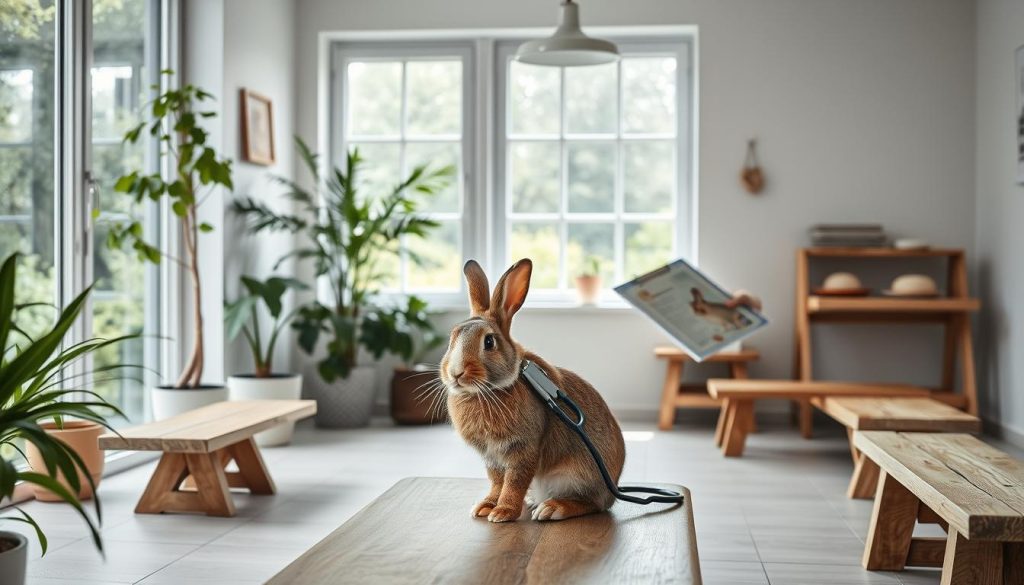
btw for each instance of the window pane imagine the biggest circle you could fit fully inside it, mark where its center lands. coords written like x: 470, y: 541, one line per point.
x: 434, y: 93
x: 648, y: 246
x: 534, y: 97
x: 120, y: 80
x: 540, y: 243
x: 589, y: 242
x: 534, y: 170
x: 649, y: 176
x: 436, y: 155
x: 591, y: 99
x: 591, y: 177
x: 649, y: 94
x: 380, y: 169
x: 441, y: 259
x: 16, y: 90
x: 374, y: 98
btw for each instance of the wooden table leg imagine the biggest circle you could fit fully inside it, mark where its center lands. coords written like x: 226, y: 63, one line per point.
x: 723, y: 419
x: 736, y: 427
x: 211, y: 483
x: 972, y: 562
x: 168, y: 475
x: 892, y: 526
x: 669, y: 393
x: 738, y: 370
x: 864, y: 482
x: 806, y: 419
x: 251, y: 469
x: 1013, y: 562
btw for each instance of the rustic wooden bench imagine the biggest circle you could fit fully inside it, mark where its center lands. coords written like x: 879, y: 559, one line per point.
x: 974, y: 491
x: 739, y: 397
x: 198, y: 445
x: 675, y: 394
x: 910, y: 414
x: 420, y: 531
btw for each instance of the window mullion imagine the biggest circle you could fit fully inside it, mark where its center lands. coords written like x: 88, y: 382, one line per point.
x: 403, y: 254
x: 619, y: 245
x: 563, y: 227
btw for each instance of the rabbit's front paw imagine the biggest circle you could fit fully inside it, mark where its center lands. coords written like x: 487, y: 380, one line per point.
x: 482, y: 509
x: 504, y: 514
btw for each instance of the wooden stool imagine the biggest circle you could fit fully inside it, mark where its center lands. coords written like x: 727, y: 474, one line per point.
x: 198, y: 445
x: 677, y: 395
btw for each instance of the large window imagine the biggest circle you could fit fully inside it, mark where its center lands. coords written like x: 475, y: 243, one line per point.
x: 584, y: 166
x: 49, y: 189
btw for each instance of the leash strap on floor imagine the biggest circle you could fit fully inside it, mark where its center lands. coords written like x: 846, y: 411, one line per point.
x: 552, y: 395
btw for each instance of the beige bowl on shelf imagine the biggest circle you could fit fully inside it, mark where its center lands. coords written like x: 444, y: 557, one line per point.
x: 913, y: 285
x: 842, y: 284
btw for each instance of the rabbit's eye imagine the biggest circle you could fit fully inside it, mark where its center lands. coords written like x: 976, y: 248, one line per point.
x: 488, y: 341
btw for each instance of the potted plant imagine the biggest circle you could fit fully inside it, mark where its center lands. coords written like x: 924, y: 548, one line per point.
x: 407, y: 332
x: 348, y: 233
x: 34, y: 391
x: 197, y: 171
x: 242, y: 316
x: 588, y: 282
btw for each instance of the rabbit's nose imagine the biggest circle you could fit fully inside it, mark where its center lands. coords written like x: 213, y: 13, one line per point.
x: 458, y: 375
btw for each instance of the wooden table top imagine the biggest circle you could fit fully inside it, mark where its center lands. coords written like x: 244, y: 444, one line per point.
x: 755, y: 389
x: 673, y: 353
x: 420, y: 531
x: 209, y: 428
x: 899, y: 414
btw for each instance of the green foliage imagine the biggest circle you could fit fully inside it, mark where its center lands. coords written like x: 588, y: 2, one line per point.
x: 34, y: 389
x: 405, y: 331
x: 592, y: 266
x: 348, y: 236
x: 242, y: 316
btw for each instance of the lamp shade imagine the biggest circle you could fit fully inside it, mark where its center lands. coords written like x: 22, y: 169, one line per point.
x: 568, y: 46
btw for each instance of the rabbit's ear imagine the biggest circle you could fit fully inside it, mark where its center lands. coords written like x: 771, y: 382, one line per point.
x: 479, y: 290
x: 510, y: 292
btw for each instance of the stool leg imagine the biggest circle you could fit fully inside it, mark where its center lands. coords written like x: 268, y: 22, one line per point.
x: 738, y: 370
x: 723, y: 419
x: 892, y: 526
x: 864, y: 482
x: 168, y: 475
x: 211, y: 483
x: 972, y: 562
x: 251, y: 467
x: 806, y: 419
x: 669, y: 393
x: 737, y: 427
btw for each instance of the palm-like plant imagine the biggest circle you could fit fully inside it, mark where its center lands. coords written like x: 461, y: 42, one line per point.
x: 34, y: 389
x: 348, y: 234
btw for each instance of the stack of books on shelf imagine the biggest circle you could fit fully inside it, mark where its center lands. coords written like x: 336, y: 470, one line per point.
x: 848, y: 235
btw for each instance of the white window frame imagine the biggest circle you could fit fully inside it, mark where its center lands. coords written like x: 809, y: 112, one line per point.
x: 482, y: 211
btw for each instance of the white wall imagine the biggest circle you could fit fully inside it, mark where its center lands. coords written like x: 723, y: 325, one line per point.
x: 864, y: 111
x: 1000, y: 209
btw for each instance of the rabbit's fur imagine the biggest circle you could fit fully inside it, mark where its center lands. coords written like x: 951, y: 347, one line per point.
x: 523, y: 444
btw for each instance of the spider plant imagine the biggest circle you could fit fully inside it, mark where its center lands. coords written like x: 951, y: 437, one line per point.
x: 34, y: 389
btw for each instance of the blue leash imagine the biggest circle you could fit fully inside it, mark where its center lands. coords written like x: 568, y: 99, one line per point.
x: 552, y: 395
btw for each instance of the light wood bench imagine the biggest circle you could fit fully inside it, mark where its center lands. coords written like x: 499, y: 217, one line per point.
x: 974, y: 491
x: 739, y: 397
x: 890, y: 414
x: 198, y: 445
x: 420, y: 531
x: 675, y: 394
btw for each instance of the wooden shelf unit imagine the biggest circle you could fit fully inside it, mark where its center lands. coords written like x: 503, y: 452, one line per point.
x: 953, y: 311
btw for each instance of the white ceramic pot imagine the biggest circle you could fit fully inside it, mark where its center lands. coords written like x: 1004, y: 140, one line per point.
x: 275, y: 387
x: 168, y: 401
x: 346, y: 403
x: 13, y: 560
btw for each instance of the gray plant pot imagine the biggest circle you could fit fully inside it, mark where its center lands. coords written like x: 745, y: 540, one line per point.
x: 13, y: 561
x: 347, y: 403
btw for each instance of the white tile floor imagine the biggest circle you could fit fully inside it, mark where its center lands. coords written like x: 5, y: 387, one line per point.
x: 778, y: 515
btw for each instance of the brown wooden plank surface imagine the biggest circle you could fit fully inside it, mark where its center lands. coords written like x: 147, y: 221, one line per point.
x: 209, y: 428
x: 899, y: 414
x: 818, y: 304
x: 977, y: 489
x: 755, y: 389
x: 420, y: 531
x: 674, y: 353
x: 849, y: 252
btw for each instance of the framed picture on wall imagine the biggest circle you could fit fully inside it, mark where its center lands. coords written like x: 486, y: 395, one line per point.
x: 1019, y: 115
x: 257, y: 128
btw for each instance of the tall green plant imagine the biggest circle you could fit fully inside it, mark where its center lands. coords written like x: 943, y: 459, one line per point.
x: 348, y: 234
x: 174, y: 119
x: 242, y: 316
x: 34, y: 389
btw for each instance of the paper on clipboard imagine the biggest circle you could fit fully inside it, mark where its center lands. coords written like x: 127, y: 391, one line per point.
x: 689, y: 307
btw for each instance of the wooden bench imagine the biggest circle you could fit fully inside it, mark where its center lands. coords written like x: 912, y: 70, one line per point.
x: 675, y: 394
x: 971, y: 489
x: 890, y: 414
x: 198, y: 445
x: 420, y: 531
x: 739, y: 397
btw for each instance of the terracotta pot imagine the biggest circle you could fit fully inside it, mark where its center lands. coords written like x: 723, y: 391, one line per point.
x: 82, y: 437
x: 588, y: 288
x: 412, y: 403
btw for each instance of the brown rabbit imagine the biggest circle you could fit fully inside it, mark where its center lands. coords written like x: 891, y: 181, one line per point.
x: 522, y: 443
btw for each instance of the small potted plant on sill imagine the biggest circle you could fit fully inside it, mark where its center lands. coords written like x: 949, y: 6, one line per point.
x: 348, y: 234
x: 34, y: 393
x: 588, y: 282
x: 242, y: 316
x: 197, y: 172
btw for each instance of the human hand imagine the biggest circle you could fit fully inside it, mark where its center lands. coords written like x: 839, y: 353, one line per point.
x: 743, y: 298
